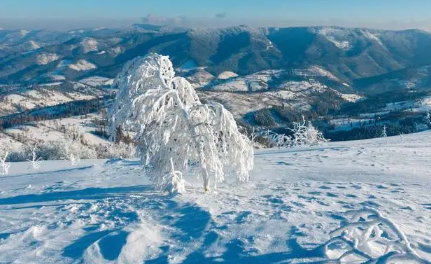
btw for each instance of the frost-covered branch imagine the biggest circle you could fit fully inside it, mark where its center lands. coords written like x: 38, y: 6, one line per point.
x: 305, y: 134
x: 174, y: 129
x: 277, y: 140
x: 35, y: 161
x: 69, y: 154
x: 370, y: 236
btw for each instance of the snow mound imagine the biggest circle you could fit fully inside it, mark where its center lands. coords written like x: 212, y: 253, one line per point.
x: 200, y: 78
x: 254, y: 82
x: 57, y: 77
x: 46, y: 58
x: 351, y: 97
x: 337, y: 36
x: 82, y: 65
x: 303, y: 86
x: 315, y: 71
x: 30, y: 45
x: 227, y: 75
x: 116, y: 51
x: 373, y: 37
x: 23, y: 32
x: 319, y: 71
x: 97, y: 81
x: 89, y: 45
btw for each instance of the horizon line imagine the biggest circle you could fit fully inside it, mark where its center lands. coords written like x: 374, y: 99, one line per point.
x: 131, y: 25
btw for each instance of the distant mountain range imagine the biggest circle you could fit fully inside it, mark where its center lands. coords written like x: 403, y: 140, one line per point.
x: 267, y: 77
x: 362, y: 57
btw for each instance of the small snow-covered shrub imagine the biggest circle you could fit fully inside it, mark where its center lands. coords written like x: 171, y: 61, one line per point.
x: 174, y: 128
x: 428, y: 118
x: 384, y: 132
x: 17, y: 156
x: 35, y: 161
x: 65, y: 149
x: 173, y: 181
x: 115, y: 150
x: 305, y: 134
x: 4, y: 165
x: 276, y: 140
x: 419, y: 127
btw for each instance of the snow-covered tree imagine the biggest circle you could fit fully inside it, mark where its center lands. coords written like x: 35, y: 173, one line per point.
x: 252, y: 135
x: 418, y: 127
x: 35, y: 161
x: 277, y: 140
x: 4, y: 166
x: 305, y: 134
x: 174, y: 128
x: 70, y: 154
x: 428, y: 118
x: 384, y: 133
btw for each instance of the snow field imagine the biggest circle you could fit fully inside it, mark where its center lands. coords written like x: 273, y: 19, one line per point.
x: 290, y: 212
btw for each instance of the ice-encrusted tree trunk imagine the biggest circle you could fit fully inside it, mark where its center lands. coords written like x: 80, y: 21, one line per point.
x: 174, y: 129
x: 4, y: 166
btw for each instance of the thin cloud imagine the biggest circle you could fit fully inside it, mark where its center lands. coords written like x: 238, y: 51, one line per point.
x: 215, y: 21
x: 165, y: 21
x: 221, y: 15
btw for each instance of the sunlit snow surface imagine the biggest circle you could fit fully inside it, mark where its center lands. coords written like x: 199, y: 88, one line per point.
x: 107, y: 212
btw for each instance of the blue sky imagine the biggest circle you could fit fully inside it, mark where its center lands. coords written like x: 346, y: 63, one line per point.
x: 377, y: 13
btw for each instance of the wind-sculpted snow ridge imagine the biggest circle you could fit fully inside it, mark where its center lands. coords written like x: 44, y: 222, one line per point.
x: 369, y: 236
x: 174, y: 128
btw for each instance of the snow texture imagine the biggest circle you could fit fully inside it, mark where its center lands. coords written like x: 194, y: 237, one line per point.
x: 367, y: 200
x: 337, y: 36
x: 4, y: 165
x: 97, y: 81
x: 46, y: 58
x: 227, y: 75
x: 82, y: 65
x: 89, y: 45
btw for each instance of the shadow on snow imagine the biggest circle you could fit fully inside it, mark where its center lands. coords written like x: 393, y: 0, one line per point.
x: 85, y: 194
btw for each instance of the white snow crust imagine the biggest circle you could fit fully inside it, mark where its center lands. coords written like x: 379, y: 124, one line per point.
x: 354, y: 202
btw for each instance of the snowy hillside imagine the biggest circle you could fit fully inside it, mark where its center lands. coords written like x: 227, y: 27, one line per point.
x: 296, y: 89
x: 32, y: 98
x: 290, y: 211
x: 348, y: 54
x: 267, y: 77
x: 14, y: 139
